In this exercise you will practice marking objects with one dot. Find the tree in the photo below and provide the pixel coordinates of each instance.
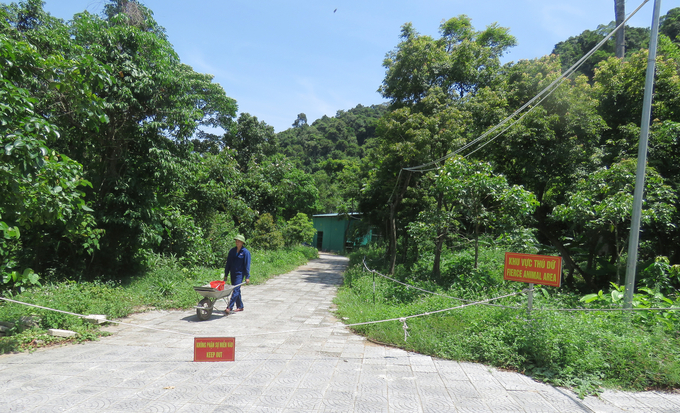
(362, 120)
(251, 139)
(670, 24)
(43, 213)
(277, 187)
(125, 108)
(406, 138)
(460, 62)
(619, 88)
(300, 121)
(482, 199)
(575, 47)
(553, 146)
(266, 234)
(428, 82)
(599, 210)
(45, 221)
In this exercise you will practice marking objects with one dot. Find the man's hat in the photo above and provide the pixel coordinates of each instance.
(241, 238)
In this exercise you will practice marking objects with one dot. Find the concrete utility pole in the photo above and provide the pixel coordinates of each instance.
(620, 12)
(634, 239)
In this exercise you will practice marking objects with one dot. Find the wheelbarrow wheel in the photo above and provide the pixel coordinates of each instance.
(206, 309)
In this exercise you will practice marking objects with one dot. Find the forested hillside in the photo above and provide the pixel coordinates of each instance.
(331, 149)
(111, 155)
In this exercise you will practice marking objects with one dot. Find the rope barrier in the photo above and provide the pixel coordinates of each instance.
(86, 317)
(672, 308)
(431, 292)
(610, 309)
(400, 319)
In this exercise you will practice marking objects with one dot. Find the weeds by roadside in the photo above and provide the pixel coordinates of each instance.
(582, 350)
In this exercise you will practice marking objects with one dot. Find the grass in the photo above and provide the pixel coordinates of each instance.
(582, 350)
(165, 285)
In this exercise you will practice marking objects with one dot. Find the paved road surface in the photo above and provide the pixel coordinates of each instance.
(285, 362)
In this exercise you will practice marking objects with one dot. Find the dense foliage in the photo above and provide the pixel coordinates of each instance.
(574, 153)
(330, 150)
(110, 155)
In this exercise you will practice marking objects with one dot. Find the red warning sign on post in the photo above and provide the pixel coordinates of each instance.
(534, 269)
(214, 348)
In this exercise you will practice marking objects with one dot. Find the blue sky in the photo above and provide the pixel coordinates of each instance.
(279, 59)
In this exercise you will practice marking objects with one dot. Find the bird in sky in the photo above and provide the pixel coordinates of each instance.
(335, 10)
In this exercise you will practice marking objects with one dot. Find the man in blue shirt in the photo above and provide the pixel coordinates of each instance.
(238, 265)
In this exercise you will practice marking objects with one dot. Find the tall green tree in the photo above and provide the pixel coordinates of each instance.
(552, 146)
(408, 138)
(251, 139)
(575, 47)
(298, 230)
(460, 62)
(275, 186)
(482, 199)
(45, 221)
(619, 87)
(670, 24)
(428, 81)
(149, 103)
(599, 209)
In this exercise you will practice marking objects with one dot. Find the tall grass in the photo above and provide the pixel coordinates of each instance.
(582, 350)
(166, 284)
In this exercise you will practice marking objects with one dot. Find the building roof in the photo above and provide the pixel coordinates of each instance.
(337, 214)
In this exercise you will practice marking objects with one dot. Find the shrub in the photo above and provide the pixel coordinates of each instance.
(266, 234)
(299, 230)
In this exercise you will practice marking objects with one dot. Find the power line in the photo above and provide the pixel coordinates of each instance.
(542, 95)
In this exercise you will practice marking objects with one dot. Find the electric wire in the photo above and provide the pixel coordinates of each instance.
(546, 91)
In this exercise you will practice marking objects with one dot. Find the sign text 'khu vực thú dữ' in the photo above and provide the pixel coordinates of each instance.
(534, 269)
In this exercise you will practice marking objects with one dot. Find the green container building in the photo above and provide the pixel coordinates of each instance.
(333, 232)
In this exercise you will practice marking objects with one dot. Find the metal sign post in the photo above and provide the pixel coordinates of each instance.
(634, 239)
(533, 269)
(530, 299)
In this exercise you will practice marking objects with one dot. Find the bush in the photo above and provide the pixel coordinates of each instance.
(299, 230)
(266, 234)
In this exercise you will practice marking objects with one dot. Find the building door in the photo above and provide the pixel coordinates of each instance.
(319, 240)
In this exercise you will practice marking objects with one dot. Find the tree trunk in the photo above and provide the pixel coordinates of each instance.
(407, 241)
(567, 257)
(439, 241)
(476, 244)
(620, 12)
(393, 237)
(398, 196)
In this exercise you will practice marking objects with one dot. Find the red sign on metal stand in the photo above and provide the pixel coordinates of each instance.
(214, 348)
(533, 269)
